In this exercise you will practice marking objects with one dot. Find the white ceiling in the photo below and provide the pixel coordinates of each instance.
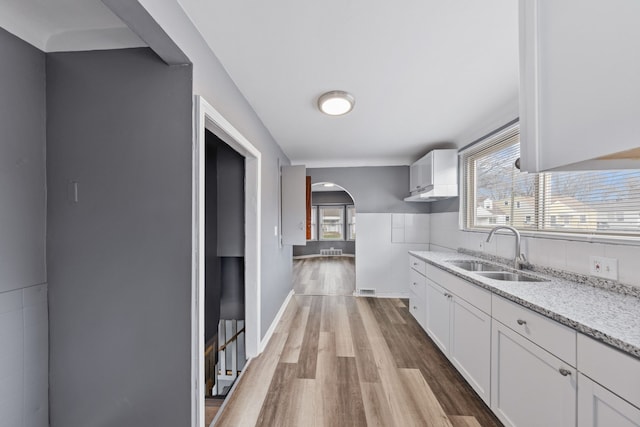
(66, 25)
(422, 71)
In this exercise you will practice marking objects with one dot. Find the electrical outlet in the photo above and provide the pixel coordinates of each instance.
(607, 268)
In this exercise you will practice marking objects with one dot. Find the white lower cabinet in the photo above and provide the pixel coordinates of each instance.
(470, 345)
(530, 386)
(463, 333)
(417, 308)
(535, 372)
(438, 315)
(598, 407)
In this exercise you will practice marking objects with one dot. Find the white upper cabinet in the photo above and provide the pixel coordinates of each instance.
(434, 176)
(579, 84)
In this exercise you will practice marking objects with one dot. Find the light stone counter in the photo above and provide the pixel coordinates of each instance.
(610, 316)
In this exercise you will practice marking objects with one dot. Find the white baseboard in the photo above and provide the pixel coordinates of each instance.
(323, 256)
(391, 295)
(272, 328)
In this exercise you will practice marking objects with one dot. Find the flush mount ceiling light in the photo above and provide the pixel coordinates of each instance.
(329, 184)
(336, 102)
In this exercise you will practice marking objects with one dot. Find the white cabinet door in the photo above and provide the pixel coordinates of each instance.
(294, 208)
(470, 349)
(438, 315)
(529, 386)
(417, 308)
(598, 407)
(579, 81)
(421, 173)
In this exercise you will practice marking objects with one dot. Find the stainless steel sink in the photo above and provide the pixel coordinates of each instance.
(509, 277)
(475, 266)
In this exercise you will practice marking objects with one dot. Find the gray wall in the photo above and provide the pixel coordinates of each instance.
(230, 170)
(446, 205)
(23, 306)
(211, 81)
(22, 164)
(330, 197)
(119, 123)
(374, 189)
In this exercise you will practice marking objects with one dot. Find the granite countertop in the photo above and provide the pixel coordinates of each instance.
(606, 315)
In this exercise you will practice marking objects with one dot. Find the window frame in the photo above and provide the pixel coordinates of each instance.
(539, 216)
(348, 224)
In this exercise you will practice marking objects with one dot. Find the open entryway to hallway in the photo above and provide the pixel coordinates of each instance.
(326, 264)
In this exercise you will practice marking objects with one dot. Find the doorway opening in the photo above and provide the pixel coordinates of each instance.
(326, 264)
(226, 255)
(224, 310)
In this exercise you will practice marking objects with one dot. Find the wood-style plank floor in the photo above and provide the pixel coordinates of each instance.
(324, 276)
(352, 361)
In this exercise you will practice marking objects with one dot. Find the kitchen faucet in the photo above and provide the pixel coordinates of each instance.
(519, 259)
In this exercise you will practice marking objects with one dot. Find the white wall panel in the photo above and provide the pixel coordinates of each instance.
(24, 355)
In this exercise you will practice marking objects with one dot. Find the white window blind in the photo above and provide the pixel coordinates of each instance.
(497, 193)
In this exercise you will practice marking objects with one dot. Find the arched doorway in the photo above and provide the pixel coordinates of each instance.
(326, 264)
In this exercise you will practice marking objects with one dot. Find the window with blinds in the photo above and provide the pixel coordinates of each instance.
(497, 193)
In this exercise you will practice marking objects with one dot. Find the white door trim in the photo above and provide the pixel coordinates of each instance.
(207, 117)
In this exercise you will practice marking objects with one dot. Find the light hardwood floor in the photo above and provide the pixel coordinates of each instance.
(347, 361)
(324, 276)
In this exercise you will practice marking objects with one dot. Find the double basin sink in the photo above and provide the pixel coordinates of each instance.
(495, 272)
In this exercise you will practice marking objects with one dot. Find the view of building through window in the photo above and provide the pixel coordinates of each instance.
(588, 202)
(331, 223)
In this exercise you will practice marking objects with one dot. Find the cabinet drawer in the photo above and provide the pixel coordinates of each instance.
(417, 308)
(612, 368)
(418, 265)
(473, 294)
(548, 334)
(418, 284)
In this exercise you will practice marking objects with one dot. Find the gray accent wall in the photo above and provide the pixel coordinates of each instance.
(375, 189)
(120, 125)
(22, 164)
(446, 205)
(23, 291)
(330, 197)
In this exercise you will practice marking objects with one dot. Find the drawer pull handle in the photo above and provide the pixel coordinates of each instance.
(564, 372)
(415, 308)
(522, 322)
(415, 264)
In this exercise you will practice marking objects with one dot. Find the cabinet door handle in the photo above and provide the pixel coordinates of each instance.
(564, 372)
(415, 308)
(415, 264)
(521, 322)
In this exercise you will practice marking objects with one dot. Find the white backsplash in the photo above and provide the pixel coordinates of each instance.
(566, 255)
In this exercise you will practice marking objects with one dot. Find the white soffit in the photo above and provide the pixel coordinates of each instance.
(422, 72)
(66, 25)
